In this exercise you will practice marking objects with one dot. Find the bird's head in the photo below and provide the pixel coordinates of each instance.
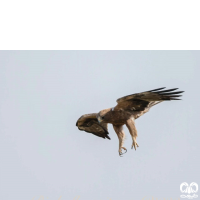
(103, 115)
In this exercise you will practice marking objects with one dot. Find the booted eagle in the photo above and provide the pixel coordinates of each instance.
(127, 110)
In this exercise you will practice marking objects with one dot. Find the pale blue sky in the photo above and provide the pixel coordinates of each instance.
(43, 93)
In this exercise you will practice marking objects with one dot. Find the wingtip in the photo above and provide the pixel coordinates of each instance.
(164, 91)
(175, 99)
(170, 93)
(156, 89)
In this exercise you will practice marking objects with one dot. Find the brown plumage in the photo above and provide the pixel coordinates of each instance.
(125, 112)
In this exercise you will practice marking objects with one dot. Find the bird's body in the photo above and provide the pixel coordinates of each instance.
(120, 117)
(128, 109)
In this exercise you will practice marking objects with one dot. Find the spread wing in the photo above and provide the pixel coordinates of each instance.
(90, 124)
(143, 100)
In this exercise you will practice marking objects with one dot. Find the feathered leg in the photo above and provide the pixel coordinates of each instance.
(121, 136)
(130, 123)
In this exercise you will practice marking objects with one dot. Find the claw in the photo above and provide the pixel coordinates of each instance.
(135, 144)
(120, 152)
(124, 149)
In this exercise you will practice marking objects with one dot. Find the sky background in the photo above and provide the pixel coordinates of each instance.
(42, 152)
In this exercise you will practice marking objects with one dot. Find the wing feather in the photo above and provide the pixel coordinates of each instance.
(140, 101)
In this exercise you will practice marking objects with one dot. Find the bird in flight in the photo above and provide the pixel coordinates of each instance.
(127, 110)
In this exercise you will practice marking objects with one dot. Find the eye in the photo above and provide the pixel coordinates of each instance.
(102, 117)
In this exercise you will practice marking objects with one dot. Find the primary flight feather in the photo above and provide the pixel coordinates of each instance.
(128, 109)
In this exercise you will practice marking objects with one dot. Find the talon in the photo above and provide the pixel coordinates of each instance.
(124, 149)
(134, 144)
(120, 151)
(120, 154)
